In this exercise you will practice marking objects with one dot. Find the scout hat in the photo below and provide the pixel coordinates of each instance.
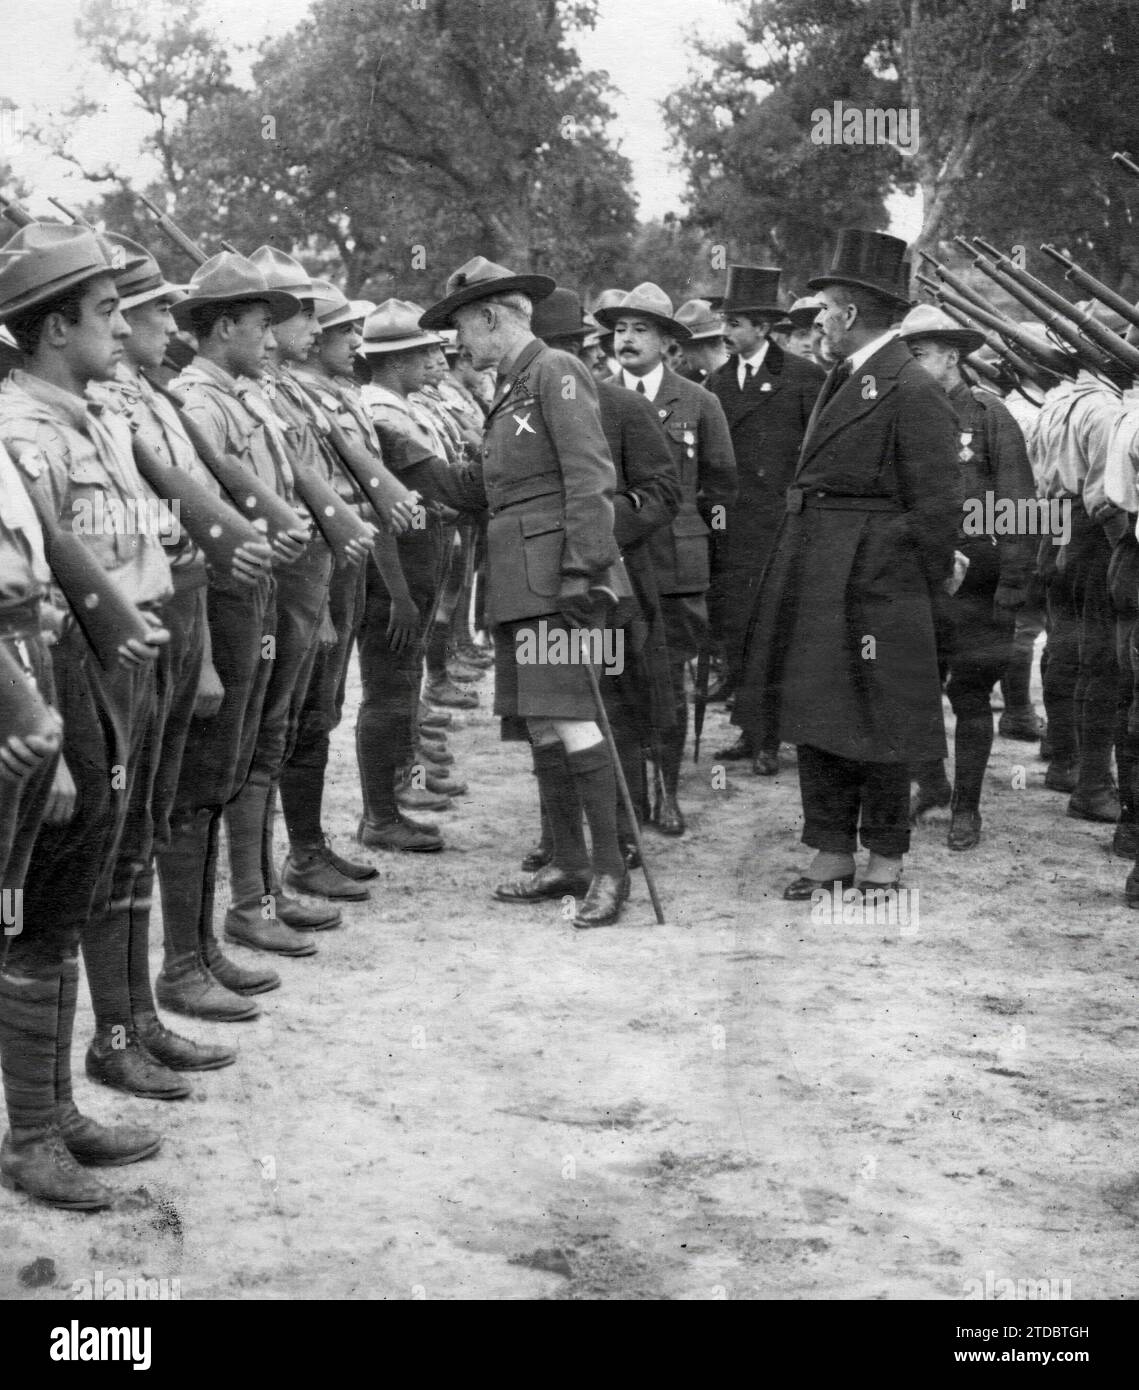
(479, 279)
(871, 261)
(282, 272)
(698, 316)
(227, 277)
(559, 316)
(45, 259)
(751, 289)
(334, 308)
(928, 321)
(141, 280)
(647, 301)
(804, 312)
(393, 326)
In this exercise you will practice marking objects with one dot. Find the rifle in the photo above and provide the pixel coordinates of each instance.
(1124, 163)
(1080, 349)
(1052, 360)
(23, 710)
(1021, 368)
(1096, 288)
(1099, 333)
(71, 214)
(174, 233)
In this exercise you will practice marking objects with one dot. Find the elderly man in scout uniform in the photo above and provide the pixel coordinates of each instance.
(701, 444)
(767, 395)
(58, 297)
(977, 622)
(553, 566)
(842, 658)
(638, 699)
(704, 348)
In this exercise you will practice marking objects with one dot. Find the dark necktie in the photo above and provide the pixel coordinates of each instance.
(839, 376)
(641, 387)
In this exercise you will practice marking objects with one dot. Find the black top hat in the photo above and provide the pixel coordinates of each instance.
(870, 261)
(558, 316)
(751, 289)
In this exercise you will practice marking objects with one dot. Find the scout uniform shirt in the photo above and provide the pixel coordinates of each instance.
(76, 454)
(340, 400)
(24, 575)
(1069, 440)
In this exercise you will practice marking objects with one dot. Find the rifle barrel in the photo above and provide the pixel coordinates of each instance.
(1084, 280)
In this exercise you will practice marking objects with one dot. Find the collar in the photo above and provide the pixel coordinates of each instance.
(203, 367)
(651, 379)
(757, 357)
(76, 410)
(863, 355)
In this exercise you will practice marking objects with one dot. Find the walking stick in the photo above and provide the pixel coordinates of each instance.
(622, 785)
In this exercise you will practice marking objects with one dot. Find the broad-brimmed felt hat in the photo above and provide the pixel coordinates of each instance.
(559, 315)
(701, 320)
(393, 326)
(226, 278)
(479, 279)
(141, 280)
(45, 259)
(928, 321)
(804, 312)
(751, 289)
(334, 308)
(647, 301)
(872, 261)
(283, 272)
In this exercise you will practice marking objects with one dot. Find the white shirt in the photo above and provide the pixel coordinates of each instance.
(856, 359)
(652, 380)
(748, 366)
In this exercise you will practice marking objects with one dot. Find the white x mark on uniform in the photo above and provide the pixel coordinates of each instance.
(523, 423)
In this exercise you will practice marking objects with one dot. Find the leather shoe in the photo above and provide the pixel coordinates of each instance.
(399, 834)
(441, 784)
(431, 718)
(104, 1146)
(470, 655)
(131, 1068)
(465, 675)
(448, 694)
(604, 900)
(929, 799)
(293, 913)
(310, 871)
(436, 755)
(803, 889)
(238, 979)
(964, 829)
(1025, 725)
(411, 798)
(765, 763)
(1102, 805)
(46, 1170)
(550, 881)
(350, 868)
(668, 817)
(268, 934)
(1060, 777)
(1125, 841)
(538, 858)
(177, 1053)
(735, 752)
(198, 993)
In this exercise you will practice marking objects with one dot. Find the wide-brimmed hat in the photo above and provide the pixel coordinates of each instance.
(479, 279)
(647, 301)
(45, 259)
(393, 326)
(701, 320)
(283, 272)
(872, 261)
(226, 278)
(141, 279)
(334, 308)
(928, 321)
(804, 312)
(751, 289)
(559, 316)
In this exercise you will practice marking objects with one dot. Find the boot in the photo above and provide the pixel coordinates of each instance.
(667, 815)
(91, 1143)
(595, 783)
(543, 851)
(309, 870)
(252, 918)
(432, 718)
(33, 1158)
(124, 1064)
(177, 1053)
(289, 910)
(236, 979)
(441, 690)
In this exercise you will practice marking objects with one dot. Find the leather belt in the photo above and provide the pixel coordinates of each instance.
(799, 499)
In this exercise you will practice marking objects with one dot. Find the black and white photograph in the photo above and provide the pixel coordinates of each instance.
(569, 660)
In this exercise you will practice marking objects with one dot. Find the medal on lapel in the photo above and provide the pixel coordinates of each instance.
(965, 454)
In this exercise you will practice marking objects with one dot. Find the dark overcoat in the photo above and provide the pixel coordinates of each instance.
(841, 652)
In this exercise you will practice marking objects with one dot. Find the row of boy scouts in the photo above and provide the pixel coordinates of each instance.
(785, 487)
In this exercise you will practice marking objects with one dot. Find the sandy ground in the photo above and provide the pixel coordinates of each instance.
(457, 1099)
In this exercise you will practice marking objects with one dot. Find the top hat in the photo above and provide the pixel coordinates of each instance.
(45, 259)
(141, 280)
(334, 308)
(283, 272)
(559, 316)
(751, 289)
(479, 279)
(699, 318)
(647, 301)
(228, 277)
(872, 261)
(928, 321)
(394, 326)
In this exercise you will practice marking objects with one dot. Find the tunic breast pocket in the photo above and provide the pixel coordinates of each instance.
(93, 509)
(543, 538)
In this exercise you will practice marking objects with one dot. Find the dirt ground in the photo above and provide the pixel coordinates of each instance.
(458, 1099)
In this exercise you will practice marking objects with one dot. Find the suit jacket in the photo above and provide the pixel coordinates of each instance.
(767, 419)
(701, 446)
(841, 653)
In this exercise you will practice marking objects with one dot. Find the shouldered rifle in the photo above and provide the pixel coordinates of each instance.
(1051, 360)
(1098, 333)
(71, 214)
(174, 233)
(1096, 288)
(23, 710)
(15, 212)
(1021, 368)
(1125, 163)
(335, 518)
